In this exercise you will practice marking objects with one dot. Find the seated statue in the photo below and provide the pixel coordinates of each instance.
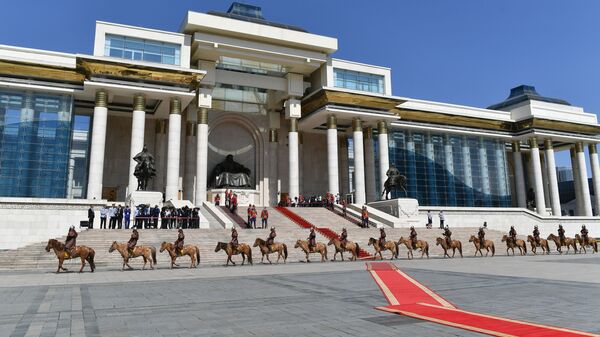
(229, 173)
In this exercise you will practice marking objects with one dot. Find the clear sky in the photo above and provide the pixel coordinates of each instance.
(466, 52)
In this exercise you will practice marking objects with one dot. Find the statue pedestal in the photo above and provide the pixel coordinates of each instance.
(245, 197)
(406, 209)
(145, 197)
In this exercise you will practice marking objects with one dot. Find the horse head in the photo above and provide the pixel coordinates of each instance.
(50, 245)
(331, 242)
(504, 237)
(372, 241)
(258, 242)
(472, 238)
(438, 241)
(298, 243)
(163, 246)
(113, 247)
(218, 247)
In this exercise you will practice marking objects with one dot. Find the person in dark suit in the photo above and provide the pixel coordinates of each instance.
(91, 217)
(120, 217)
(155, 214)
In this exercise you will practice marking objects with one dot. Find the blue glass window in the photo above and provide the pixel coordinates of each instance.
(142, 50)
(355, 80)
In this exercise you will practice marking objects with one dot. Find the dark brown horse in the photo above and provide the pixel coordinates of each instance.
(590, 242)
(228, 248)
(454, 244)
(279, 248)
(423, 245)
(543, 243)
(83, 252)
(488, 245)
(190, 250)
(511, 244)
(569, 242)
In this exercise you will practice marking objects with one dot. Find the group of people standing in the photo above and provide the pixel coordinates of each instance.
(145, 216)
(231, 201)
(252, 214)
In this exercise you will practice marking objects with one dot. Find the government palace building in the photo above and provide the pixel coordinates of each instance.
(301, 121)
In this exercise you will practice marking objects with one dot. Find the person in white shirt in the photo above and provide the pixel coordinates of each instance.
(103, 213)
(442, 219)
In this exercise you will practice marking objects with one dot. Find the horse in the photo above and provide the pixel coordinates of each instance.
(147, 252)
(392, 246)
(543, 243)
(228, 248)
(388, 185)
(590, 242)
(83, 252)
(423, 245)
(454, 244)
(568, 242)
(192, 251)
(280, 248)
(349, 247)
(488, 245)
(318, 248)
(511, 245)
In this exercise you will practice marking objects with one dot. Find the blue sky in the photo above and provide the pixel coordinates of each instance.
(466, 52)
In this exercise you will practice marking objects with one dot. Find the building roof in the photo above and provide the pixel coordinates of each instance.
(524, 93)
(251, 13)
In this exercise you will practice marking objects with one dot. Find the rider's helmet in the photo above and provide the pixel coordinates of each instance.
(447, 227)
(272, 229)
(535, 227)
(582, 226)
(412, 227)
(560, 226)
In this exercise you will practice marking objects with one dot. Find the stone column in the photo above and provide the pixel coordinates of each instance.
(595, 175)
(536, 166)
(189, 174)
(138, 124)
(519, 175)
(293, 160)
(360, 196)
(369, 164)
(576, 182)
(173, 150)
(583, 180)
(201, 157)
(332, 155)
(384, 156)
(94, 190)
(344, 167)
(545, 178)
(273, 166)
(552, 180)
(160, 144)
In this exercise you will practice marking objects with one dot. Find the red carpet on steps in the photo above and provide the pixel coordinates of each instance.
(409, 298)
(328, 233)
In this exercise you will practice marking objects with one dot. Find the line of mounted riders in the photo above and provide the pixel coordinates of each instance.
(69, 250)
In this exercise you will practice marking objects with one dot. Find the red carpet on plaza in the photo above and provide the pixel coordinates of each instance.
(409, 298)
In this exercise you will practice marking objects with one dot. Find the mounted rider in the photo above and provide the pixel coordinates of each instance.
(271, 238)
(448, 235)
(234, 238)
(584, 234)
(513, 234)
(178, 244)
(312, 239)
(70, 242)
(382, 236)
(561, 235)
(481, 236)
(413, 237)
(343, 238)
(536, 235)
(132, 241)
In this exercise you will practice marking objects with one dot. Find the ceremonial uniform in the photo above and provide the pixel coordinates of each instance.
(513, 233)
(481, 236)
(365, 217)
(271, 238)
(133, 241)
(312, 238)
(536, 235)
(448, 235)
(584, 234)
(382, 238)
(264, 215)
(561, 234)
(234, 238)
(179, 242)
(413, 237)
(343, 238)
(71, 241)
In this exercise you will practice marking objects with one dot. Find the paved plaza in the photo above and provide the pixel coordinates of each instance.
(297, 299)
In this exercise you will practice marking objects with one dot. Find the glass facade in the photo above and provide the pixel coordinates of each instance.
(131, 48)
(355, 80)
(451, 170)
(251, 67)
(236, 98)
(35, 141)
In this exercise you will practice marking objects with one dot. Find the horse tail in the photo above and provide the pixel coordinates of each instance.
(285, 252)
(249, 255)
(493, 249)
(356, 249)
(525, 247)
(197, 255)
(153, 251)
(325, 250)
(90, 259)
(397, 248)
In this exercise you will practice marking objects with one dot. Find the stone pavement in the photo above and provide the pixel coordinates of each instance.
(297, 299)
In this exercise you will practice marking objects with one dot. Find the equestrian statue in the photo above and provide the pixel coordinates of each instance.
(395, 180)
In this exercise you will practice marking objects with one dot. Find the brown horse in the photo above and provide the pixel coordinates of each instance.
(192, 251)
(349, 247)
(590, 242)
(228, 248)
(510, 244)
(392, 246)
(318, 248)
(279, 248)
(488, 245)
(454, 244)
(423, 245)
(83, 252)
(147, 252)
(543, 243)
(568, 242)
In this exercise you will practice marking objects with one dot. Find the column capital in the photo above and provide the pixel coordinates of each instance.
(191, 129)
(516, 146)
(175, 107)
(356, 124)
(293, 124)
(592, 148)
(572, 151)
(273, 135)
(548, 144)
(202, 116)
(368, 132)
(579, 147)
(139, 102)
(101, 98)
(533, 143)
(382, 127)
(331, 122)
(161, 126)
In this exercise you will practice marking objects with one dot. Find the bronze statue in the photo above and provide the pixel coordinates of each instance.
(229, 173)
(395, 180)
(144, 169)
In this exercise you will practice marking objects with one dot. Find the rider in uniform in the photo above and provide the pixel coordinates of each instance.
(513, 234)
(312, 239)
(343, 238)
(481, 236)
(178, 244)
(536, 235)
(584, 234)
(133, 241)
(561, 235)
(71, 241)
(234, 238)
(271, 238)
(381, 238)
(413, 237)
(448, 235)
